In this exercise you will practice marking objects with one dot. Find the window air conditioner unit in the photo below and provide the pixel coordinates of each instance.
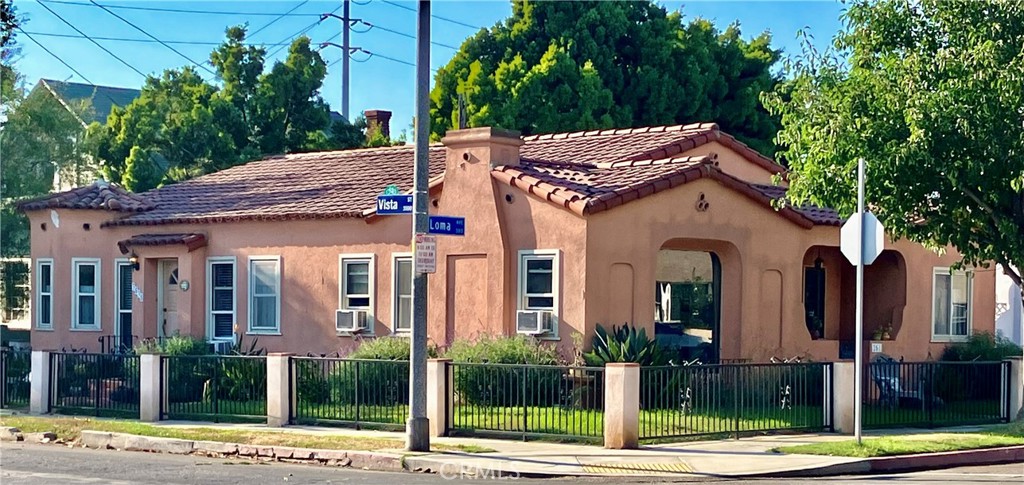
(350, 320)
(534, 322)
(222, 347)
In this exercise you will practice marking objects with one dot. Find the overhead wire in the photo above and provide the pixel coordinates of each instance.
(438, 17)
(144, 41)
(183, 10)
(69, 24)
(55, 56)
(250, 35)
(286, 42)
(151, 36)
(403, 34)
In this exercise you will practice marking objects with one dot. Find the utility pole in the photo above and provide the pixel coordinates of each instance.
(344, 59)
(858, 373)
(417, 427)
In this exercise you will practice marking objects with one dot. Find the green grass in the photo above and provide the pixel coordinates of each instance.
(70, 429)
(1005, 435)
(948, 414)
(226, 411)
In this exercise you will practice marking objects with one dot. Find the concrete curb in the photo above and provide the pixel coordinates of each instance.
(910, 463)
(365, 460)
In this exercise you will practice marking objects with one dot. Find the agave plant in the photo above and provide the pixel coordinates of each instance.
(624, 344)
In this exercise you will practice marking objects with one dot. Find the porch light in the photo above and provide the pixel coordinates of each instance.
(818, 262)
(134, 261)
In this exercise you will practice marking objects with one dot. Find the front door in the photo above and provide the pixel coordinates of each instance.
(167, 297)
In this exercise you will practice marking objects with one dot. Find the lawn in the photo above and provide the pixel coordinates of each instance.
(70, 429)
(224, 411)
(948, 414)
(1004, 435)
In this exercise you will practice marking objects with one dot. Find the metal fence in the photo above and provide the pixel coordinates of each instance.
(15, 367)
(348, 392)
(527, 401)
(95, 384)
(930, 394)
(734, 399)
(214, 387)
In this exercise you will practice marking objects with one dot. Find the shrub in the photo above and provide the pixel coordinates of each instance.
(172, 346)
(386, 348)
(982, 346)
(377, 373)
(311, 384)
(505, 385)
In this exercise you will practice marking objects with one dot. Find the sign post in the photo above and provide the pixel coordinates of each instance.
(861, 240)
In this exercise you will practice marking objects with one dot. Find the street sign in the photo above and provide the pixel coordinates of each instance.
(850, 234)
(394, 204)
(425, 248)
(447, 225)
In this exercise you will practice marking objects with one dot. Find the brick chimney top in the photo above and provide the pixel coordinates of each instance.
(379, 118)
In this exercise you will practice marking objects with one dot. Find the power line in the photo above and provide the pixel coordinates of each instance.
(144, 41)
(268, 24)
(182, 10)
(288, 40)
(55, 56)
(403, 34)
(151, 36)
(69, 24)
(438, 17)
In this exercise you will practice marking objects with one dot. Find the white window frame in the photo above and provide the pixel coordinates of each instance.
(370, 258)
(97, 265)
(943, 271)
(276, 330)
(210, 327)
(395, 297)
(555, 255)
(118, 263)
(40, 293)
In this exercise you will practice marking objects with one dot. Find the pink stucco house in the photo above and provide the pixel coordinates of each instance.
(668, 228)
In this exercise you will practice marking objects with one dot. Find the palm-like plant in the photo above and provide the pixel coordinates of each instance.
(624, 344)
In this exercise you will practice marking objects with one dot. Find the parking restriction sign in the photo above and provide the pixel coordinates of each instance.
(425, 248)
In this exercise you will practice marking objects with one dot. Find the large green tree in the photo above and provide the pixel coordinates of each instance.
(930, 93)
(182, 126)
(558, 66)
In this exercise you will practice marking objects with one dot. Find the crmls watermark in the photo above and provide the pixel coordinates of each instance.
(462, 471)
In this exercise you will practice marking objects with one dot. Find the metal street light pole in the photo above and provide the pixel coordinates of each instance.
(859, 332)
(417, 428)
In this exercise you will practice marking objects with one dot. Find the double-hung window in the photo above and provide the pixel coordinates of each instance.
(85, 304)
(951, 304)
(44, 294)
(402, 293)
(356, 286)
(264, 294)
(123, 300)
(538, 285)
(220, 298)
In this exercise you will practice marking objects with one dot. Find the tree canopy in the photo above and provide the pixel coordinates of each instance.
(929, 93)
(182, 126)
(560, 66)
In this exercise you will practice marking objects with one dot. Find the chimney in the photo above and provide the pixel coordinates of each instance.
(379, 118)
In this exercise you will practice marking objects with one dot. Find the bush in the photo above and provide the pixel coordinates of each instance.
(311, 385)
(504, 385)
(172, 346)
(982, 346)
(386, 348)
(377, 374)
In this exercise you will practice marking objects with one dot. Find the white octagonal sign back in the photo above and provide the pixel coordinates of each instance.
(874, 235)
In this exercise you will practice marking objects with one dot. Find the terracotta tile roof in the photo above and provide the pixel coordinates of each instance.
(192, 241)
(318, 185)
(821, 216)
(99, 195)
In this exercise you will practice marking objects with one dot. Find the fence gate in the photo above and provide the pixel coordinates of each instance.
(15, 367)
(95, 384)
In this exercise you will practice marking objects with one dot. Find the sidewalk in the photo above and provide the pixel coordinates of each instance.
(727, 458)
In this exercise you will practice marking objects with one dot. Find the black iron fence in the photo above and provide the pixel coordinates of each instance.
(930, 394)
(527, 400)
(15, 367)
(95, 384)
(734, 399)
(359, 393)
(216, 387)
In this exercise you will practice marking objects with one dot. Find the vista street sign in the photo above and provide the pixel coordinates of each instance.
(873, 237)
(394, 204)
(447, 225)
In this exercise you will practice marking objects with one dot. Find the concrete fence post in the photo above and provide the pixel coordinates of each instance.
(844, 377)
(621, 406)
(1016, 411)
(439, 396)
(39, 377)
(150, 387)
(279, 396)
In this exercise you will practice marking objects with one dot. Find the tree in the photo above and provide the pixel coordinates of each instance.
(141, 170)
(929, 94)
(558, 66)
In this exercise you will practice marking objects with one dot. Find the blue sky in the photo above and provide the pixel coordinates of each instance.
(384, 80)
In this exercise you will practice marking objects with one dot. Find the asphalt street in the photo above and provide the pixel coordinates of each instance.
(46, 464)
